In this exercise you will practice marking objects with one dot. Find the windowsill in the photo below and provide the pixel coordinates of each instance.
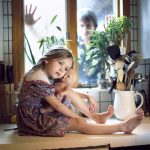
(91, 88)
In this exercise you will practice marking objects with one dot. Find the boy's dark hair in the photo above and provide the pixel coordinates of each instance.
(88, 15)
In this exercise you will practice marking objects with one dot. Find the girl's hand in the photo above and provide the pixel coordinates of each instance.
(93, 106)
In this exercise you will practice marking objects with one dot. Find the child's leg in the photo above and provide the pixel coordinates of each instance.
(98, 117)
(126, 126)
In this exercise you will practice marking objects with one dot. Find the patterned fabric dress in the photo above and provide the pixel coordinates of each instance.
(30, 120)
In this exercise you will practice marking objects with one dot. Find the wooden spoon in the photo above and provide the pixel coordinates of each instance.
(120, 73)
(120, 86)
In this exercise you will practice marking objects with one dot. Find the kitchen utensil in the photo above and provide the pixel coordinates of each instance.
(127, 69)
(126, 59)
(120, 73)
(130, 77)
(119, 67)
(120, 86)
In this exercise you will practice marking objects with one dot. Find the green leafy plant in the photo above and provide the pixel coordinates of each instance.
(97, 55)
(48, 41)
(118, 28)
(28, 51)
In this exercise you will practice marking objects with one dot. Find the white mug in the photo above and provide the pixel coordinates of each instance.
(124, 104)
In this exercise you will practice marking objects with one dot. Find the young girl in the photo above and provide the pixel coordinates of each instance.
(37, 91)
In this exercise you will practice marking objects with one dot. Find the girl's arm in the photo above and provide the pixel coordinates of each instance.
(60, 107)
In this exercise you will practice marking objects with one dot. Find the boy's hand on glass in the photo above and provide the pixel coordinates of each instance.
(29, 16)
(107, 20)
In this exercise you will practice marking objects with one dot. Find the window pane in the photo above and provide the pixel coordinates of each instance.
(101, 8)
(46, 10)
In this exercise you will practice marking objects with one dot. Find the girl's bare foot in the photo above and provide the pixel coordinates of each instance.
(102, 117)
(130, 124)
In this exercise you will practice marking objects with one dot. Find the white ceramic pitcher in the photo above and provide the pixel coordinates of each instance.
(124, 104)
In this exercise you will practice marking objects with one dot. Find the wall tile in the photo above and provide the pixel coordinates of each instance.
(5, 34)
(133, 10)
(5, 46)
(5, 8)
(103, 106)
(105, 96)
(9, 8)
(10, 34)
(1, 34)
(140, 69)
(1, 56)
(1, 8)
(10, 21)
(5, 19)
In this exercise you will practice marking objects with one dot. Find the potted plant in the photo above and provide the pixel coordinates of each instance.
(97, 55)
(117, 29)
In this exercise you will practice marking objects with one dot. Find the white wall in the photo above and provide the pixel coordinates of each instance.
(144, 27)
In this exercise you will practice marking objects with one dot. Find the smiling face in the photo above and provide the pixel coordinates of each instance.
(58, 68)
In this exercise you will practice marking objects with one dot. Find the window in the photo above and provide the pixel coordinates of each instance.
(46, 10)
(18, 32)
(100, 8)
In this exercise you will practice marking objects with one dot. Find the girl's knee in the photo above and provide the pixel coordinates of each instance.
(80, 122)
(77, 124)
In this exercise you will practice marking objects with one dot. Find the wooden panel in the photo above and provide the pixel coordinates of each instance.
(18, 40)
(72, 29)
(126, 12)
(7, 102)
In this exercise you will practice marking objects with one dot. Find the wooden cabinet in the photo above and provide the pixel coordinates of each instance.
(7, 102)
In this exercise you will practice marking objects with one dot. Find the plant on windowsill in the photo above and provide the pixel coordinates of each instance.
(28, 51)
(44, 43)
(97, 55)
(117, 29)
(51, 40)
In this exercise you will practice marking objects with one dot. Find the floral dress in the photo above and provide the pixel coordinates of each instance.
(30, 120)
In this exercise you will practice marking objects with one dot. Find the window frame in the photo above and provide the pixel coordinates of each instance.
(18, 33)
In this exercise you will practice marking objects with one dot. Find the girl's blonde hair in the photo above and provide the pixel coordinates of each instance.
(54, 53)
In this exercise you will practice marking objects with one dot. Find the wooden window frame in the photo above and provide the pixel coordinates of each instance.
(18, 33)
(18, 40)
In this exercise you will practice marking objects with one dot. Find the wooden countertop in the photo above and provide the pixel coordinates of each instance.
(11, 140)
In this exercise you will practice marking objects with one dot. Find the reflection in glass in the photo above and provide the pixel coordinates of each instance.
(90, 16)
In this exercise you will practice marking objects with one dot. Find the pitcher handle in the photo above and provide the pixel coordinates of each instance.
(142, 99)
